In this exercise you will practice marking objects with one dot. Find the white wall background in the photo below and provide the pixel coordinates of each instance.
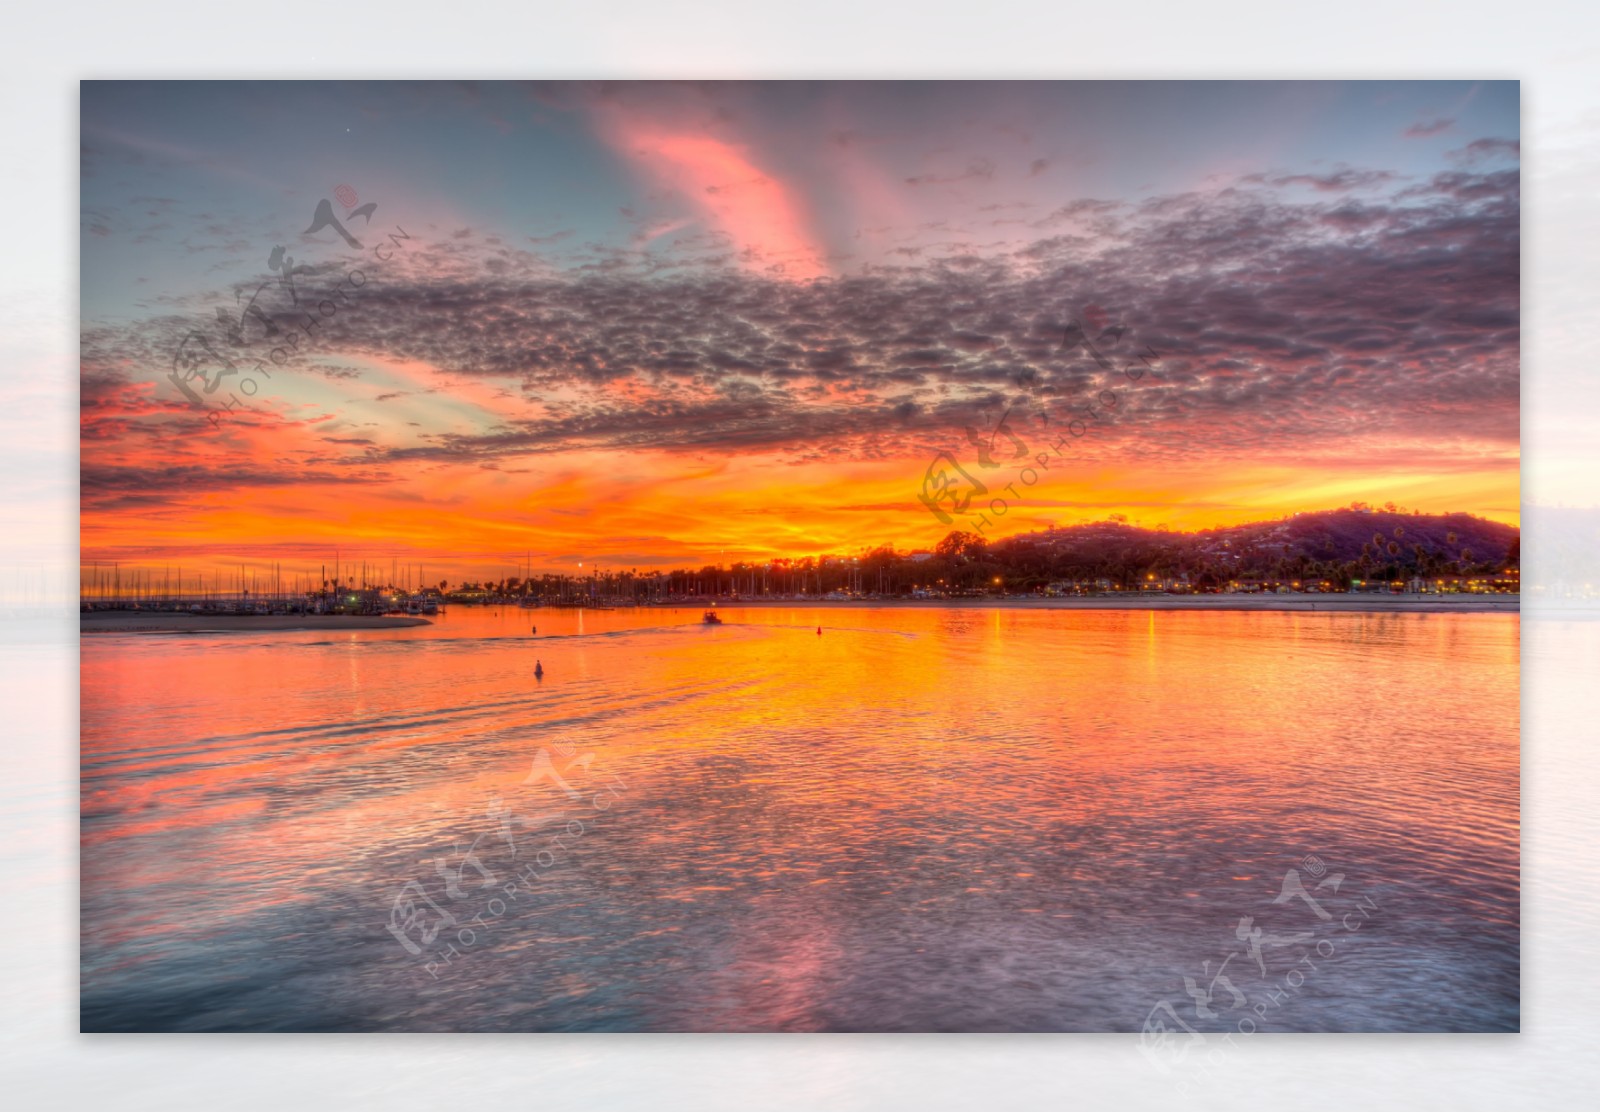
(1553, 48)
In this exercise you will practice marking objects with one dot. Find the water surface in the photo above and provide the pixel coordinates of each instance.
(922, 819)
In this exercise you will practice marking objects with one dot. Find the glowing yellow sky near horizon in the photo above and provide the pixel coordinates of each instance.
(348, 490)
(654, 509)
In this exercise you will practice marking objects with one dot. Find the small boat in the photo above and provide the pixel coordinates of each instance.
(710, 619)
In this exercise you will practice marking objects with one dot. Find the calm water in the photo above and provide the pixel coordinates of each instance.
(923, 819)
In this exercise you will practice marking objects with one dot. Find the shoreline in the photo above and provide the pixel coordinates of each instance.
(159, 622)
(1320, 604)
(135, 622)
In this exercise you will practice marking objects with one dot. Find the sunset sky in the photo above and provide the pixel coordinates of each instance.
(657, 325)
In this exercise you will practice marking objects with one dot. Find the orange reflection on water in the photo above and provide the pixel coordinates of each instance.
(881, 827)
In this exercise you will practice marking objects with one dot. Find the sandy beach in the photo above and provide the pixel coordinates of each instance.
(140, 622)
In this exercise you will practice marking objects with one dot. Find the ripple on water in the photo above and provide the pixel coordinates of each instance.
(924, 820)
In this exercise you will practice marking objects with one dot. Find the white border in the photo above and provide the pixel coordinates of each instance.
(44, 1063)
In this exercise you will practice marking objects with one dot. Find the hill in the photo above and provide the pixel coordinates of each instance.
(1350, 543)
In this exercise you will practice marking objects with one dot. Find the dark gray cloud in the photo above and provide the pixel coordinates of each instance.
(1484, 150)
(1284, 329)
(1335, 181)
(1431, 128)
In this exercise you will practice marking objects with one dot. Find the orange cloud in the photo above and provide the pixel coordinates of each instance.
(653, 509)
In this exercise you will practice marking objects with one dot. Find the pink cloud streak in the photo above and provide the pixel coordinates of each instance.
(765, 218)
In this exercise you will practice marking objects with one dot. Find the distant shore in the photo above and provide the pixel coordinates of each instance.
(147, 622)
(156, 622)
(1129, 601)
